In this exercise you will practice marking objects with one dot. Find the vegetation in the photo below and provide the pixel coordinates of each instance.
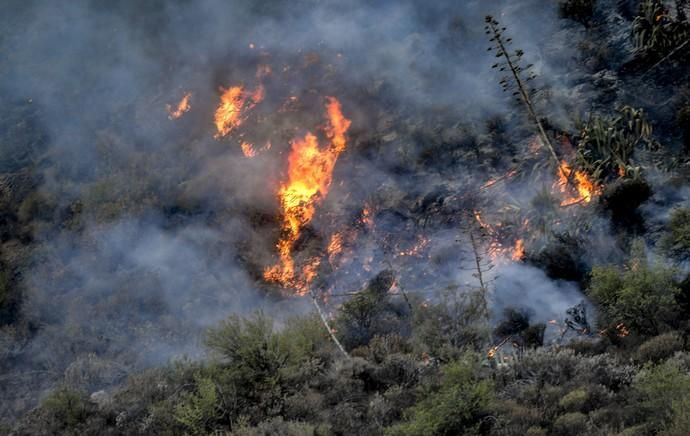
(89, 312)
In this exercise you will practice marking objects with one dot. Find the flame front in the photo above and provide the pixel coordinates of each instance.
(310, 172)
(182, 107)
(585, 187)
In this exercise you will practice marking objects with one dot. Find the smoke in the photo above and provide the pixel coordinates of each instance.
(163, 230)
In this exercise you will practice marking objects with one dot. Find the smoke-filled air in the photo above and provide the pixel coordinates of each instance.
(354, 217)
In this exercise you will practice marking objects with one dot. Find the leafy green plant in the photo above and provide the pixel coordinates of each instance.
(640, 295)
(455, 408)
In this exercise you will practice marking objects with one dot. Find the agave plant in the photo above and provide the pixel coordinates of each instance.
(607, 144)
(655, 31)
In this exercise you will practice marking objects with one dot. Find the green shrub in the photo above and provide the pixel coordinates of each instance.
(675, 242)
(659, 348)
(657, 389)
(642, 296)
(68, 408)
(455, 408)
(196, 411)
(574, 423)
(575, 400)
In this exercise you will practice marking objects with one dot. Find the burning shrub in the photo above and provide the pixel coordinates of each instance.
(655, 31)
(581, 11)
(676, 241)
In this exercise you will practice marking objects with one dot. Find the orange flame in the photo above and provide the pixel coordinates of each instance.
(335, 246)
(182, 107)
(621, 330)
(518, 251)
(585, 187)
(310, 171)
(248, 149)
(233, 102)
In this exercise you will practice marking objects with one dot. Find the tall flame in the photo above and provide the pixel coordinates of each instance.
(310, 172)
(585, 187)
(182, 107)
(233, 102)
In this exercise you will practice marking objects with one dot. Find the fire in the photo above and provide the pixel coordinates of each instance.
(621, 330)
(335, 246)
(233, 101)
(310, 171)
(182, 107)
(519, 250)
(417, 249)
(367, 217)
(248, 149)
(585, 187)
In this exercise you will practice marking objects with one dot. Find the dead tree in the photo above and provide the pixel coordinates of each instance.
(513, 64)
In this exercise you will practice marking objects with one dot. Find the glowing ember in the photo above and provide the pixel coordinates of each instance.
(182, 107)
(621, 330)
(518, 251)
(310, 171)
(417, 249)
(585, 187)
(248, 149)
(233, 101)
(367, 217)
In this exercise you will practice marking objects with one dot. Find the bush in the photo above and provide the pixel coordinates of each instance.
(575, 400)
(574, 423)
(657, 389)
(659, 348)
(456, 407)
(675, 242)
(641, 296)
(67, 408)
